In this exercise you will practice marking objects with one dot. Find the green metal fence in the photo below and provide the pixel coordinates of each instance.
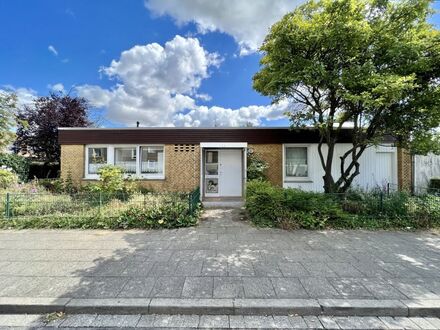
(17, 205)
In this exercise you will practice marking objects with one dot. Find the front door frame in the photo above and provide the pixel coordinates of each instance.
(218, 146)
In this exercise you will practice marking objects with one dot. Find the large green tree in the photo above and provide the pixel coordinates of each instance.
(372, 64)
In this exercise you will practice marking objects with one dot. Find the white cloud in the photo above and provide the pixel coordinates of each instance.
(203, 116)
(248, 21)
(59, 87)
(53, 50)
(25, 96)
(157, 85)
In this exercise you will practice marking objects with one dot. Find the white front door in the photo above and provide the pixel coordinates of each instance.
(223, 173)
(230, 178)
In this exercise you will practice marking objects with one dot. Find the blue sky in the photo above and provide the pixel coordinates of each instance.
(64, 44)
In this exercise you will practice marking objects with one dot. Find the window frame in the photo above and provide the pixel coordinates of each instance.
(94, 176)
(111, 160)
(287, 178)
(157, 176)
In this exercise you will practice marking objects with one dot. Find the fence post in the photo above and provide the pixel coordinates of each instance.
(7, 208)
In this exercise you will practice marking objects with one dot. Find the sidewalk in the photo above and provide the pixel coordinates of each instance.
(224, 266)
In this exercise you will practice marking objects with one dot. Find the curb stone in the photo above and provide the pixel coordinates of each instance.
(303, 307)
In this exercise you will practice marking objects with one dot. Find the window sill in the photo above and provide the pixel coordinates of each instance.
(135, 179)
(298, 180)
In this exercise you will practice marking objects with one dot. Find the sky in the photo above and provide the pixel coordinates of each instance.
(159, 62)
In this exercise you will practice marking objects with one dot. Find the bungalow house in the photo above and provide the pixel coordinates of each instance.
(180, 159)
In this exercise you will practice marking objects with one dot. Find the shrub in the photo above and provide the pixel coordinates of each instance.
(19, 164)
(112, 182)
(7, 178)
(256, 167)
(268, 205)
(169, 215)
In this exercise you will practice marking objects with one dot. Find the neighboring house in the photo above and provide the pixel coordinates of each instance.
(170, 159)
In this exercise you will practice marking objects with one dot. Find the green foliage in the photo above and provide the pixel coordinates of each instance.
(268, 205)
(271, 205)
(19, 164)
(7, 178)
(371, 64)
(88, 211)
(256, 167)
(171, 215)
(111, 181)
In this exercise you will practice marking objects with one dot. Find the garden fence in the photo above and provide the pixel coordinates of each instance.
(16, 205)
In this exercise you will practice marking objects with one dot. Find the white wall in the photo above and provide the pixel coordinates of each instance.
(378, 166)
(425, 168)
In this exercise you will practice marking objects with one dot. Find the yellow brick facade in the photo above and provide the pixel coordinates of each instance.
(182, 167)
(273, 155)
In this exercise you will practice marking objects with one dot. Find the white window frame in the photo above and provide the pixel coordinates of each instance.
(111, 160)
(86, 165)
(158, 176)
(309, 167)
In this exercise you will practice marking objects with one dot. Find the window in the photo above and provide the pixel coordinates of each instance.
(97, 157)
(126, 159)
(145, 162)
(152, 160)
(296, 162)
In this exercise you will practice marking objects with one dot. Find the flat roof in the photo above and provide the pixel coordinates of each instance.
(194, 135)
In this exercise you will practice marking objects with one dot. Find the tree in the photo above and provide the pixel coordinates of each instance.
(7, 118)
(373, 64)
(40, 136)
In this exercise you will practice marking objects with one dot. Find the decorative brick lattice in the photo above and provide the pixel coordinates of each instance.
(72, 162)
(404, 169)
(272, 154)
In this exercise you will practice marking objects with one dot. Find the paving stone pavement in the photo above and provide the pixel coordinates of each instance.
(94, 321)
(223, 257)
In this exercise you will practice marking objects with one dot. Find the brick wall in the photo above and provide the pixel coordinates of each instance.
(404, 169)
(182, 167)
(272, 154)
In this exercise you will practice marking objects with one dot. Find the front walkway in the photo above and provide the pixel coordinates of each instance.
(224, 257)
(223, 266)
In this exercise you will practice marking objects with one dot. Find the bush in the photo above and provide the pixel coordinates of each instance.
(112, 181)
(256, 167)
(7, 178)
(268, 205)
(172, 215)
(19, 164)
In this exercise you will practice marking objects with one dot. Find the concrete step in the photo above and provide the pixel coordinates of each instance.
(223, 204)
(302, 307)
